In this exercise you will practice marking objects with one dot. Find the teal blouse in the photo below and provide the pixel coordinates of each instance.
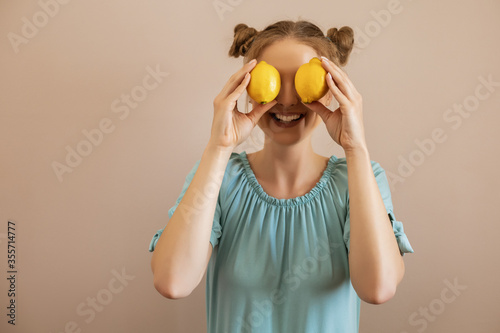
(281, 265)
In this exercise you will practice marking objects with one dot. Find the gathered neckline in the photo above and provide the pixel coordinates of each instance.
(290, 201)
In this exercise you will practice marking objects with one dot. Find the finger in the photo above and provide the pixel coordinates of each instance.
(340, 77)
(259, 111)
(339, 96)
(320, 109)
(233, 97)
(237, 77)
(331, 65)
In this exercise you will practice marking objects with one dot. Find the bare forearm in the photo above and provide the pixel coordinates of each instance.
(180, 256)
(375, 263)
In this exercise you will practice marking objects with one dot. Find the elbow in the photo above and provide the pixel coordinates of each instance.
(382, 288)
(171, 290)
(376, 290)
(166, 286)
(379, 295)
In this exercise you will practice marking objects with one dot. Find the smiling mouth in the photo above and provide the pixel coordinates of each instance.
(286, 119)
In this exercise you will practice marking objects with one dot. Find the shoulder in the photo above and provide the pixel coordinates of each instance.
(235, 169)
(235, 165)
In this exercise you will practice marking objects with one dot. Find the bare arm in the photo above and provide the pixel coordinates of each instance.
(183, 250)
(181, 254)
(375, 263)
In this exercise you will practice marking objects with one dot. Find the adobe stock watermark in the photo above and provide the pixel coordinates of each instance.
(121, 107)
(92, 305)
(223, 6)
(373, 28)
(31, 27)
(454, 116)
(210, 190)
(427, 314)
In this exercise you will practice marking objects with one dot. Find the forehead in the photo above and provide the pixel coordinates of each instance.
(287, 55)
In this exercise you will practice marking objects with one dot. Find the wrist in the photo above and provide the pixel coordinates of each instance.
(357, 152)
(218, 149)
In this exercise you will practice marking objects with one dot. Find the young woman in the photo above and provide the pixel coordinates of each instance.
(292, 240)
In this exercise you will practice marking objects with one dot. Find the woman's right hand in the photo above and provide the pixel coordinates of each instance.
(231, 127)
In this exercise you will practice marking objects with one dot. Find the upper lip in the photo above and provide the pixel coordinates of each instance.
(289, 113)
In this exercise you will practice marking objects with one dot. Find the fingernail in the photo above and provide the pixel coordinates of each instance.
(324, 58)
(252, 61)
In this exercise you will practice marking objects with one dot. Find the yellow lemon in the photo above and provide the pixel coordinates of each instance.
(310, 81)
(265, 83)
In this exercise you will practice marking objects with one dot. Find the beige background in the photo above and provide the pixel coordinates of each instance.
(75, 232)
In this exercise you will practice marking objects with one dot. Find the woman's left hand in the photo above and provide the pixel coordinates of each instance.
(345, 124)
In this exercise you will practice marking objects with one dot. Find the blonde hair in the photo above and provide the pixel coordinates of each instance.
(336, 45)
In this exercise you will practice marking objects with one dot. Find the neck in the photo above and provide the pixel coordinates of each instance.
(288, 167)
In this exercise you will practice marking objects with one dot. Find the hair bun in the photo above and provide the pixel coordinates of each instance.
(343, 38)
(243, 38)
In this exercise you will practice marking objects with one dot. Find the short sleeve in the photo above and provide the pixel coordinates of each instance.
(216, 227)
(397, 226)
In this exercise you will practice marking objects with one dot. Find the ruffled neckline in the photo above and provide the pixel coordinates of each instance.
(291, 201)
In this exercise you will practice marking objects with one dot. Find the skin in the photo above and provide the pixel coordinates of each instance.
(287, 167)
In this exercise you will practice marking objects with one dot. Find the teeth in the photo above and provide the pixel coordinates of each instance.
(287, 118)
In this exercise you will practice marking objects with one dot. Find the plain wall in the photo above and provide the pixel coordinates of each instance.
(416, 64)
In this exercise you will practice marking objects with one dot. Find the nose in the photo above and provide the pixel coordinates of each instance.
(287, 96)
